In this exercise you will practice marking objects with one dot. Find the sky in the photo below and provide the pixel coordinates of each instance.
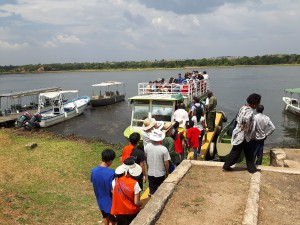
(78, 31)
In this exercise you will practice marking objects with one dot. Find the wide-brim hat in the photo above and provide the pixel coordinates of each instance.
(157, 135)
(168, 126)
(148, 123)
(133, 169)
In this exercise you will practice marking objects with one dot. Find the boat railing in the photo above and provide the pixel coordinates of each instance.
(188, 90)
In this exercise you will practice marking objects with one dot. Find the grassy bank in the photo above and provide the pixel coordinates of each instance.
(51, 183)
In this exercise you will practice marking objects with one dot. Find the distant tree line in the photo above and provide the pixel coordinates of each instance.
(210, 62)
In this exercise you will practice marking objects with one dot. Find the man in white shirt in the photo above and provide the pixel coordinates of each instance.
(157, 159)
(262, 128)
(181, 114)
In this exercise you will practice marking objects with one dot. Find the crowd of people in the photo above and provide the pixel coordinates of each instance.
(198, 80)
(165, 145)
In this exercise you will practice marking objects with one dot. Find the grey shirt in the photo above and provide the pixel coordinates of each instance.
(156, 155)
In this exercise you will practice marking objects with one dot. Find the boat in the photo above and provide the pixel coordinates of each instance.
(223, 143)
(292, 104)
(60, 108)
(158, 106)
(107, 93)
(188, 89)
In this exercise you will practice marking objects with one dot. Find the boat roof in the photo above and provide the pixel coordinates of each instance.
(162, 97)
(54, 94)
(107, 83)
(29, 92)
(293, 90)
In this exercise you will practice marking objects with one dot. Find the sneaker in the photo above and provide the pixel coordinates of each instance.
(227, 170)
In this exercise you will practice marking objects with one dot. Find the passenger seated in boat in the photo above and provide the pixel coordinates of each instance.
(148, 88)
(117, 93)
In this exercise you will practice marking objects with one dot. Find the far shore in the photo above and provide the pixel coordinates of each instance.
(147, 69)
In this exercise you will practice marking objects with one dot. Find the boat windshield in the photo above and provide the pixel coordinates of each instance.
(162, 111)
(139, 114)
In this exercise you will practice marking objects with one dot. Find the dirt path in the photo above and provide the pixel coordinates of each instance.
(279, 199)
(206, 195)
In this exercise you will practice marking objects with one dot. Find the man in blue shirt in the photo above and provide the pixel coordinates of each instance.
(102, 178)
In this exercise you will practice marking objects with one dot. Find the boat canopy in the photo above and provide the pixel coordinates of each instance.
(107, 83)
(56, 93)
(164, 97)
(293, 90)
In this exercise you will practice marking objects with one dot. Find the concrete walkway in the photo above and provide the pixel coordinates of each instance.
(154, 207)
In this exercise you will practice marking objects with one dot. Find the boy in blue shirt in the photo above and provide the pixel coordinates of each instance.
(102, 178)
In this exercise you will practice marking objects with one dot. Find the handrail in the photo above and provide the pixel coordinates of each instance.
(189, 90)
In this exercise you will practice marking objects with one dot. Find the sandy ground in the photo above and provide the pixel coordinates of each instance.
(206, 195)
(279, 199)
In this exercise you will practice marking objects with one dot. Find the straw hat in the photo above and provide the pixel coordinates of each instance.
(168, 126)
(129, 166)
(157, 135)
(148, 123)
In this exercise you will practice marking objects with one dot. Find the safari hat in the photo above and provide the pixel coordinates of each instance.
(129, 167)
(148, 123)
(168, 126)
(157, 135)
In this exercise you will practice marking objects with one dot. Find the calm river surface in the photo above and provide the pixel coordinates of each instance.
(230, 85)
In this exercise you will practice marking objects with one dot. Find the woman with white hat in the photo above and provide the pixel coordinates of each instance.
(126, 192)
(158, 158)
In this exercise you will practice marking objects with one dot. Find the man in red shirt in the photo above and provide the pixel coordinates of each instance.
(193, 134)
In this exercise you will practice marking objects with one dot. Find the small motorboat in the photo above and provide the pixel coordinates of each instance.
(60, 109)
(292, 104)
(107, 93)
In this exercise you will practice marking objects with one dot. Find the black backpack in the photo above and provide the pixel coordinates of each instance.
(198, 112)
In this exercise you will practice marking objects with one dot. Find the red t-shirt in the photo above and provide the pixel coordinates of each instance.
(193, 134)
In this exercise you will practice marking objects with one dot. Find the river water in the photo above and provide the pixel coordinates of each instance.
(231, 86)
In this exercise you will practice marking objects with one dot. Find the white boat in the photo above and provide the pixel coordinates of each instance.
(292, 103)
(107, 93)
(60, 108)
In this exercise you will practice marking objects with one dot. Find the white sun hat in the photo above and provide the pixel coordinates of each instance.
(148, 123)
(157, 135)
(129, 167)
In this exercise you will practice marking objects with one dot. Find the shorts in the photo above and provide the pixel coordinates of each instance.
(109, 216)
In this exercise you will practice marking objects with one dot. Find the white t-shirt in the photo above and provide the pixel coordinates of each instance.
(156, 155)
(181, 114)
(137, 188)
(200, 123)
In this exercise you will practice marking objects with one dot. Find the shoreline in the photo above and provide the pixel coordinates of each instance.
(145, 69)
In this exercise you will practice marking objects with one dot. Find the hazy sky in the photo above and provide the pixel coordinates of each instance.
(60, 31)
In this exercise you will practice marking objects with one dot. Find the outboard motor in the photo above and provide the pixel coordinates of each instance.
(21, 120)
(33, 122)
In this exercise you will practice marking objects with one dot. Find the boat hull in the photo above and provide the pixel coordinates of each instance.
(71, 110)
(106, 101)
(291, 104)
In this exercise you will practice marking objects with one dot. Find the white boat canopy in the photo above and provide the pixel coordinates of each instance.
(107, 83)
(56, 93)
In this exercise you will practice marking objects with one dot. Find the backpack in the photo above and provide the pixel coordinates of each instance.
(198, 112)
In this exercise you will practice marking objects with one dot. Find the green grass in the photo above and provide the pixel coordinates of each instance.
(51, 183)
